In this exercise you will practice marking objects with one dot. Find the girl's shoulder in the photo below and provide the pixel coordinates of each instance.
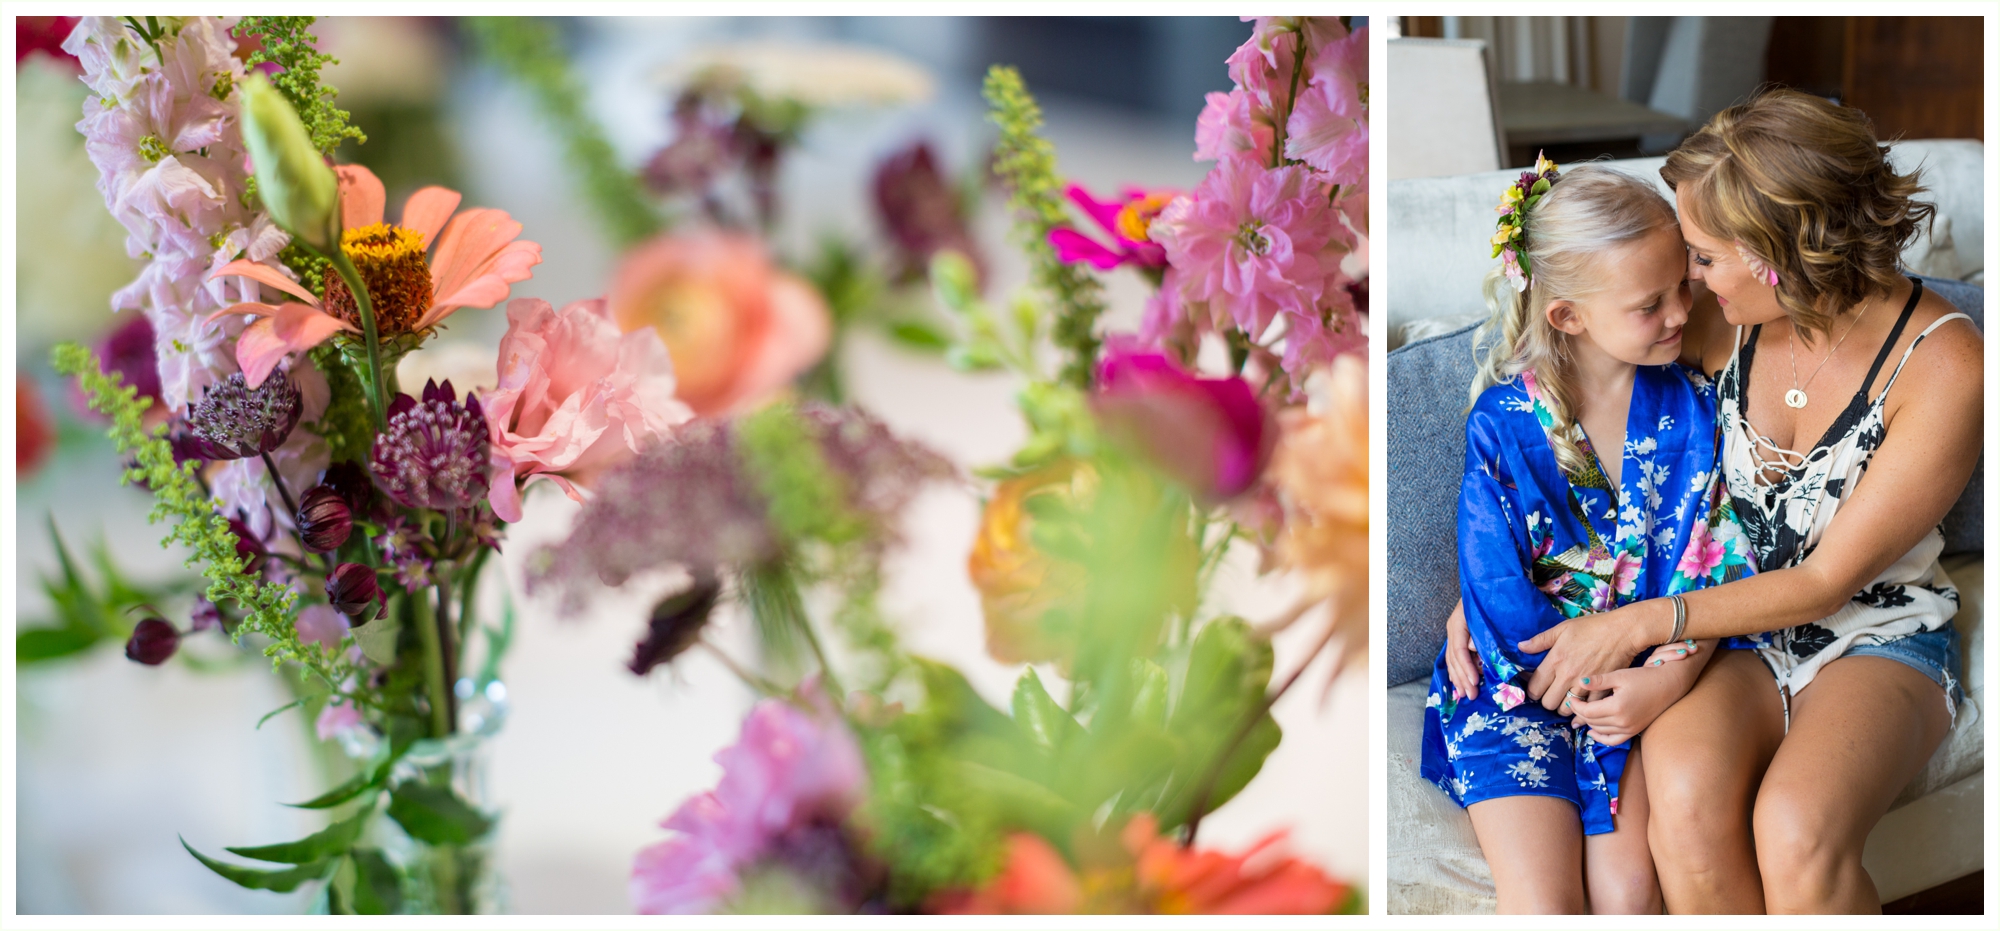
(1503, 416)
(1505, 400)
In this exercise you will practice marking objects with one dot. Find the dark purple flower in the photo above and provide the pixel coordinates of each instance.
(921, 211)
(324, 520)
(434, 452)
(353, 483)
(352, 591)
(250, 549)
(205, 616)
(1208, 434)
(406, 547)
(128, 351)
(235, 421)
(153, 642)
(676, 624)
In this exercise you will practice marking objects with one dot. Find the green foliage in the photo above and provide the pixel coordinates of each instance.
(267, 607)
(86, 613)
(436, 815)
(1027, 163)
(348, 426)
(310, 266)
(325, 844)
(529, 49)
(272, 880)
(807, 498)
(288, 41)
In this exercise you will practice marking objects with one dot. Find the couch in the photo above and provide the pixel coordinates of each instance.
(1438, 228)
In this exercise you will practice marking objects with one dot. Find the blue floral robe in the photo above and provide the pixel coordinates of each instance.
(1537, 545)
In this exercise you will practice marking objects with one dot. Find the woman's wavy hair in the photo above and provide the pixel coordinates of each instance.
(1587, 212)
(1806, 187)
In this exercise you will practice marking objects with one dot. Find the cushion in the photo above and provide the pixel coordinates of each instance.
(1427, 385)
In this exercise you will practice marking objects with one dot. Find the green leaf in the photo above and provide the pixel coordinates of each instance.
(46, 643)
(1038, 714)
(331, 842)
(378, 887)
(436, 816)
(377, 638)
(1149, 700)
(915, 334)
(1541, 187)
(271, 880)
(366, 780)
(281, 709)
(964, 357)
(1012, 799)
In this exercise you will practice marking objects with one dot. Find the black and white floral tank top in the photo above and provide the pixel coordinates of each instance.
(1786, 499)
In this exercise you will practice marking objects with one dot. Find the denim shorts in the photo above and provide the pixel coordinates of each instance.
(1933, 653)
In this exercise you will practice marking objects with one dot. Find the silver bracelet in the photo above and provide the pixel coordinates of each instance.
(1680, 617)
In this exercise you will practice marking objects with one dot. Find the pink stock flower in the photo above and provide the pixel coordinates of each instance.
(1209, 434)
(322, 624)
(1231, 126)
(1254, 242)
(335, 720)
(418, 271)
(790, 766)
(1127, 219)
(1328, 127)
(738, 328)
(575, 396)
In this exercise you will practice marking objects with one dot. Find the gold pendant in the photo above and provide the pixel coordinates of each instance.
(1795, 398)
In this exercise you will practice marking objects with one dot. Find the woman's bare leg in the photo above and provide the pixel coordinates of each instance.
(1534, 844)
(1860, 732)
(1705, 756)
(1618, 867)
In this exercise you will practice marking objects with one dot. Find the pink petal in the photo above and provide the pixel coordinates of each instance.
(265, 274)
(503, 493)
(1104, 212)
(249, 307)
(362, 198)
(292, 328)
(1072, 247)
(427, 210)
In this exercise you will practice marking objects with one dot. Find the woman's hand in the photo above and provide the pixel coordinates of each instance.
(1636, 697)
(1582, 649)
(1461, 660)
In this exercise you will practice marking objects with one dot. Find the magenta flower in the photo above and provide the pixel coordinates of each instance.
(153, 642)
(791, 768)
(1328, 126)
(1703, 553)
(1127, 220)
(1208, 434)
(575, 397)
(1254, 243)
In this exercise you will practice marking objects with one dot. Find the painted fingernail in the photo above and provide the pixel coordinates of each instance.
(1690, 643)
(1586, 680)
(1682, 652)
(1659, 662)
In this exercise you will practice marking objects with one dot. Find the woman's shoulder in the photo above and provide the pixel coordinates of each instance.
(1951, 355)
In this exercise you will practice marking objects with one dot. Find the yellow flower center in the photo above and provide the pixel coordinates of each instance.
(392, 263)
(1136, 218)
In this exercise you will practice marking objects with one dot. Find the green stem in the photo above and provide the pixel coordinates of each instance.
(434, 685)
(1278, 129)
(468, 584)
(365, 307)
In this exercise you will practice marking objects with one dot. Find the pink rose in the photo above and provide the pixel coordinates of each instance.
(575, 396)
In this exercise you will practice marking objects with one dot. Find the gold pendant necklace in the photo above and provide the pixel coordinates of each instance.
(1796, 398)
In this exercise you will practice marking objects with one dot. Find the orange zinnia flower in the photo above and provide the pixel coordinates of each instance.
(477, 255)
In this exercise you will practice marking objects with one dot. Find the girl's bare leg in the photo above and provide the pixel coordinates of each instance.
(1705, 756)
(1618, 867)
(1860, 732)
(1534, 844)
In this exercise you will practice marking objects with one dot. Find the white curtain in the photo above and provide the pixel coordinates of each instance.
(1532, 49)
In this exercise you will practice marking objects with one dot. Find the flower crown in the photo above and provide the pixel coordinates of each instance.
(1510, 238)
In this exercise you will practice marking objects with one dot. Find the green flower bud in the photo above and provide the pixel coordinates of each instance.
(293, 179)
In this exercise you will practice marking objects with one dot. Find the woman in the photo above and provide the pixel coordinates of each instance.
(1767, 777)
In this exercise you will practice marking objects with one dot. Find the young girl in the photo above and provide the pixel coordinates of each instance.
(1588, 306)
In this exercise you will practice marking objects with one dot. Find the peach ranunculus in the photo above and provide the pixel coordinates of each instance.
(575, 396)
(418, 272)
(1152, 875)
(738, 328)
(1321, 473)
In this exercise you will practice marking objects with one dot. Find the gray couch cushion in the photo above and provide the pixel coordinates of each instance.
(1427, 399)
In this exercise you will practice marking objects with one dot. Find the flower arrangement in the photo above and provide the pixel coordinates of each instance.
(342, 520)
(1510, 235)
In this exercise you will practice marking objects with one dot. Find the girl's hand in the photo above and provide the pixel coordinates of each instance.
(1635, 698)
(1461, 660)
(1582, 649)
(1672, 653)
